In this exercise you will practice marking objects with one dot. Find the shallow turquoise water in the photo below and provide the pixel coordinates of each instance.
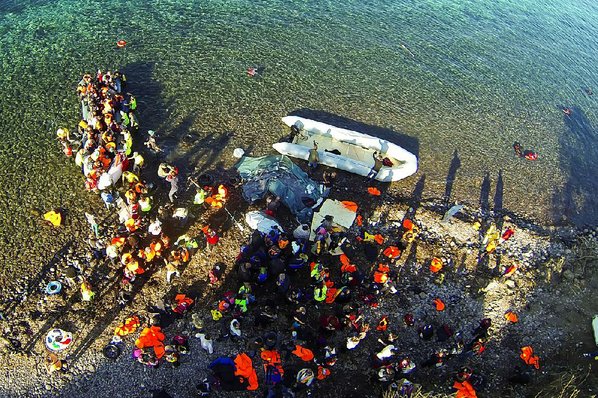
(454, 75)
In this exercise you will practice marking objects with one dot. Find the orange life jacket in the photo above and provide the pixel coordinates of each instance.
(439, 304)
(322, 373)
(392, 252)
(527, 354)
(436, 265)
(464, 390)
(511, 317)
(383, 324)
(408, 224)
(129, 326)
(244, 368)
(305, 354)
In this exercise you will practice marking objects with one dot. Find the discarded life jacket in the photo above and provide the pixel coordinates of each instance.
(511, 317)
(527, 354)
(464, 390)
(439, 304)
(322, 373)
(392, 252)
(129, 326)
(436, 265)
(244, 368)
(374, 191)
(152, 337)
(305, 354)
(54, 217)
(507, 234)
(510, 270)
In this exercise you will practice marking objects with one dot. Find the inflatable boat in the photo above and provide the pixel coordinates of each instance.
(347, 150)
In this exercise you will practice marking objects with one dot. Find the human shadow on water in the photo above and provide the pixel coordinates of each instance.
(498, 201)
(152, 109)
(485, 195)
(416, 197)
(498, 211)
(405, 141)
(577, 201)
(450, 179)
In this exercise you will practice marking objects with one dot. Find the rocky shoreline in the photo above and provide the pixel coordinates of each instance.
(549, 262)
(543, 274)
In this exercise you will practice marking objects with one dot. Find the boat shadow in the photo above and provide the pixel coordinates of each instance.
(401, 139)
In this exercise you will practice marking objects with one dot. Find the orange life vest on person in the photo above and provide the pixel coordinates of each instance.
(223, 192)
(185, 255)
(383, 324)
(134, 266)
(118, 241)
(344, 259)
(331, 294)
(157, 247)
(271, 357)
(381, 275)
(359, 220)
(131, 225)
(348, 268)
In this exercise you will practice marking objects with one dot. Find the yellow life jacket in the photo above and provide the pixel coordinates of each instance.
(54, 217)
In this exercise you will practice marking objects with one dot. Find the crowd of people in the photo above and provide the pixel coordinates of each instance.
(304, 299)
(103, 148)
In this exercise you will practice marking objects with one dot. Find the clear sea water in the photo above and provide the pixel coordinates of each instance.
(453, 75)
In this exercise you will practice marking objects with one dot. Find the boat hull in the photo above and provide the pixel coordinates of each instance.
(356, 149)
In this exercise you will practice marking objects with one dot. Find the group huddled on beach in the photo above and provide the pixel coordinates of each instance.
(303, 301)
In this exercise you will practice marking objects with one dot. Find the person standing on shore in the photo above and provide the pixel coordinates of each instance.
(173, 178)
(376, 167)
(314, 157)
(328, 177)
(95, 227)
